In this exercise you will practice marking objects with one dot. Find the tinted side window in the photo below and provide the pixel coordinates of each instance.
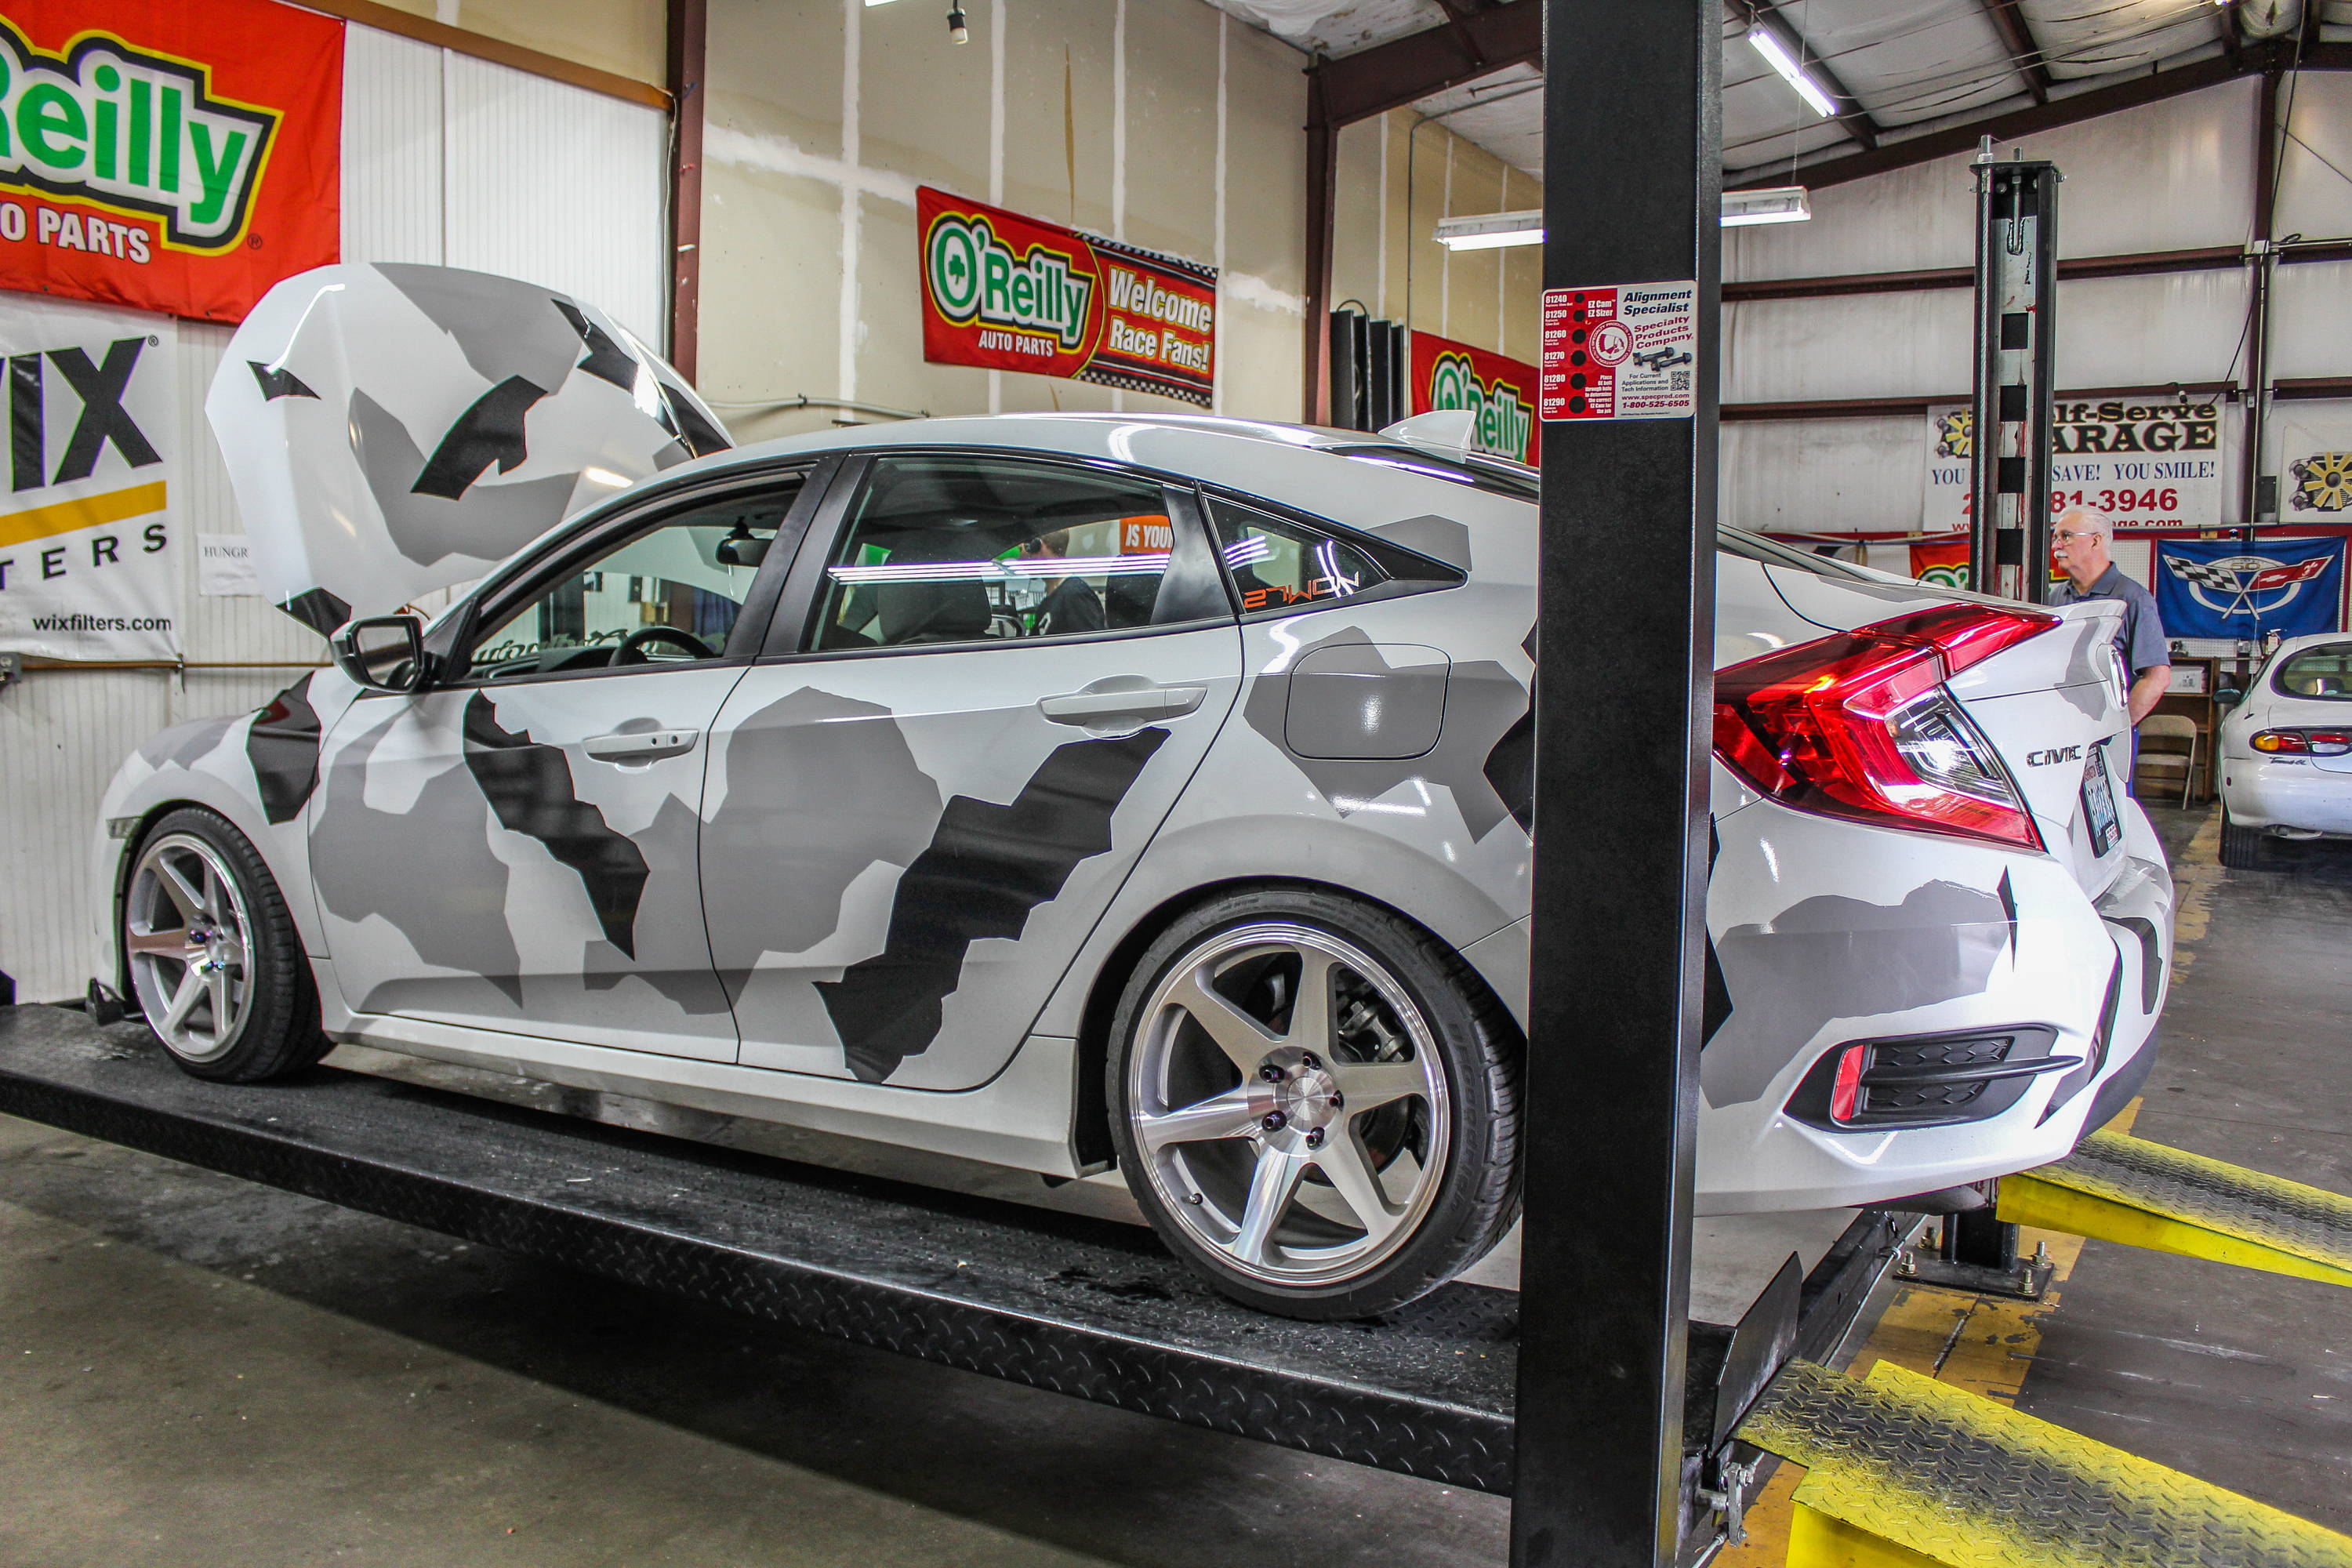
(1279, 564)
(668, 593)
(989, 549)
(2324, 671)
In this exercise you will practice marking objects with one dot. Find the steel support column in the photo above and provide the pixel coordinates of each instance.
(1632, 160)
(2011, 432)
(690, 23)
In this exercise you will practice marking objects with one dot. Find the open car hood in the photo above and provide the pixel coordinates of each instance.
(392, 429)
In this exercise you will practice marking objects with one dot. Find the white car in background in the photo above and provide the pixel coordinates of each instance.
(2286, 750)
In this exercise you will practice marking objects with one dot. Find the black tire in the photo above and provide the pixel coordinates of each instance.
(2242, 847)
(1426, 1021)
(273, 1023)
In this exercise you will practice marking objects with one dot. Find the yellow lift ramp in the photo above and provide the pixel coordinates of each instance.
(2117, 1188)
(1907, 1472)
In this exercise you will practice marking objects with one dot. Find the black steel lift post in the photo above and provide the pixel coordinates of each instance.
(1633, 193)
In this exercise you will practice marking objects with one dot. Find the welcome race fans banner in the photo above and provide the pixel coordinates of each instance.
(2223, 588)
(168, 156)
(90, 563)
(1008, 292)
(1500, 390)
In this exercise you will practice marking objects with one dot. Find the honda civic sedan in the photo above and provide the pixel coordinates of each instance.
(2286, 750)
(1152, 793)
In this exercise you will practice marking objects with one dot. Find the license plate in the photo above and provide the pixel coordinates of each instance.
(2099, 803)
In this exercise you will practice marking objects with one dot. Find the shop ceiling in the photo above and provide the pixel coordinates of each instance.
(1908, 80)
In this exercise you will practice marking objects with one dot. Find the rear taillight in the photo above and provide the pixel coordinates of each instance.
(2304, 742)
(1857, 724)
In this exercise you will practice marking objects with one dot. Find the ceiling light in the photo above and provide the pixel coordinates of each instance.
(1778, 57)
(1486, 231)
(1490, 231)
(1778, 204)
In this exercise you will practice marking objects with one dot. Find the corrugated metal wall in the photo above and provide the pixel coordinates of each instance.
(446, 159)
(2174, 176)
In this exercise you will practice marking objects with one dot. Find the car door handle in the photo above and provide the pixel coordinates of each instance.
(640, 745)
(1123, 702)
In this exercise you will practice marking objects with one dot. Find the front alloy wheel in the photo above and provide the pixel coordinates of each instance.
(189, 938)
(213, 959)
(1316, 1111)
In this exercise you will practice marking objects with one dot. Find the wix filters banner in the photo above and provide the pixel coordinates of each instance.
(165, 155)
(90, 566)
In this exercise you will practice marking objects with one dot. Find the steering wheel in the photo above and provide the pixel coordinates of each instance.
(632, 648)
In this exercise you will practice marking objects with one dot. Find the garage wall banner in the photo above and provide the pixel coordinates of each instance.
(1498, 390)
(167, 156)
(90, 566)
(1943, 563)
(2223, 588)
(1008, 292)
(2144, 465)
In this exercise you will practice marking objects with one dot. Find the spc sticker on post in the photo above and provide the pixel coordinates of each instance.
(1629, 351)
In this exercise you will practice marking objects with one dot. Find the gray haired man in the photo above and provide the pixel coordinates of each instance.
(2079, 541)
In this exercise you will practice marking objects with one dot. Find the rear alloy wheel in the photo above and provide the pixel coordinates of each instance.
(1316, 1103)
(2242, 847)
(215, 964)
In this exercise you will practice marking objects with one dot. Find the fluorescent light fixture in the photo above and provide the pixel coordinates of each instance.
(1489, 231)
(1777, 56)
(1780, 204)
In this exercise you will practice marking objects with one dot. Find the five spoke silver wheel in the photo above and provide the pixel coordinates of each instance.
(189, 938)
(1290, 1103)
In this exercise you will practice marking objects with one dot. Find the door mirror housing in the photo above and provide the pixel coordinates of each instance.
(383, 653)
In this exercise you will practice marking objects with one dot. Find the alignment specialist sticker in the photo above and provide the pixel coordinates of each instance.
(1629, 351)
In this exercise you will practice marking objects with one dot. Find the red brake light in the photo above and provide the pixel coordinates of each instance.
(2302, 742)
(1855, 725)
(1845, 1090)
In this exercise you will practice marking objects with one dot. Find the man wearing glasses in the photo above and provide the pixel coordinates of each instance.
(2079, 544)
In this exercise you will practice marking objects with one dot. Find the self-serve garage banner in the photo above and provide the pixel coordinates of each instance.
(1498, 390)
(1008, 292)
(89, 564)
(2153, 463)
(166, 155)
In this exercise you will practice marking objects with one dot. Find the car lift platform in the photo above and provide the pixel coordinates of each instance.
(1088, 1307)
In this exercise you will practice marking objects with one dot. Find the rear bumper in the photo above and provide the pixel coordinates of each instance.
(2095, 971)
(2286, 794)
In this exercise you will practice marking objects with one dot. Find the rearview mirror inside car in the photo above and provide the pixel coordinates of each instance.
(384, 653)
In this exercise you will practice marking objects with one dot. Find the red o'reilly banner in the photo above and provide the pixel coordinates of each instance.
(1497, 389)
(1008, 292)
(166, 155)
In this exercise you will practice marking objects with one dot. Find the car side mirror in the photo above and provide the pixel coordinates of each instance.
(2229, 697)
(384, 653)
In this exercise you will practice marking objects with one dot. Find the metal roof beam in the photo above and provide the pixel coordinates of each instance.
(1474, 41)
(2017, 38)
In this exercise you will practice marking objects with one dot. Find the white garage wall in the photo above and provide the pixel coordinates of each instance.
(446, 159)
(2174, 176)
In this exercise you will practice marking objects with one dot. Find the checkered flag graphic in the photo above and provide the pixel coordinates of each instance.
(2220, 579)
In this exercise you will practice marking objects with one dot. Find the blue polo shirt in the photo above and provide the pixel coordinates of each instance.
(2139, 638)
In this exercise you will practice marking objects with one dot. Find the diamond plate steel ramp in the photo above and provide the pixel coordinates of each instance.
(1902, 1468)
(2117, 1188)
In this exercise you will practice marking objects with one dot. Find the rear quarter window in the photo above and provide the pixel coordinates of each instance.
(2324, 672)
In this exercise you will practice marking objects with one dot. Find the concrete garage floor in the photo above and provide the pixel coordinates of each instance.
(196, 1371)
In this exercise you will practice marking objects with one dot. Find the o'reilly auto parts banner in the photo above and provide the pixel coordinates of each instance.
(1498, 389)
(2154, 464)
(165, 156)
(90, 566)
(1008, 292)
